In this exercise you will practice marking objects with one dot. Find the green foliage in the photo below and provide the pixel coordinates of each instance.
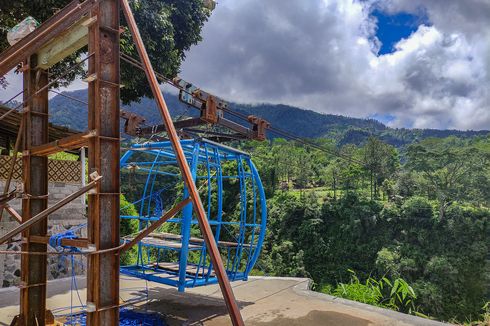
(168, 28)
(397, 295)
(127, 227)
(64, 156)
(387, 226)
(450, 166)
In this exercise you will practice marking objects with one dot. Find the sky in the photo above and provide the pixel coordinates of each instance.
(407, 63)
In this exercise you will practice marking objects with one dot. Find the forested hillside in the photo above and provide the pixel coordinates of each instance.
(401, 220)
(405, 229)
(414, 237)
(309, 124)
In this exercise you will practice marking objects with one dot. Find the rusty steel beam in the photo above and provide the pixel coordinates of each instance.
(79, 243)
(42, 215)
(51, 28)
(132, 122)
(192, 122)
(259, 127)
(246, 132)
(104, 152)
(35, 200)
(64, 144)
(13, 213)
(214, 254)
(165, 217)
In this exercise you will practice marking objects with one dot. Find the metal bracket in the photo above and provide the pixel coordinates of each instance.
(259, 127)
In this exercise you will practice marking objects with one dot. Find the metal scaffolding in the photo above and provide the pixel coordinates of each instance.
(96, 23)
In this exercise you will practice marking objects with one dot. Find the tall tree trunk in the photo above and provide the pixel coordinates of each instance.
(371, 184)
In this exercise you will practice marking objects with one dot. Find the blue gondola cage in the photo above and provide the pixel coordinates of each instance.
(232, 194)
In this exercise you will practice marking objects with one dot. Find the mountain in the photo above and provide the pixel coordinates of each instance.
(303, 123)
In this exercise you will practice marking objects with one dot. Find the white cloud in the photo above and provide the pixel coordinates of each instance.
(320, 54)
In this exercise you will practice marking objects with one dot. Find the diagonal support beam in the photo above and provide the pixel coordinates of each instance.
(24, 226)
(4, 199)
(164, 218)
(13, 213)
(223, 280)
(64, 144)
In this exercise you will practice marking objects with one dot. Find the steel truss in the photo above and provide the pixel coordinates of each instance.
(100, 18)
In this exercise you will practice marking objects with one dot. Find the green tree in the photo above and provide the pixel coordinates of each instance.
(381, 162)
(448, 169)
(168, 27)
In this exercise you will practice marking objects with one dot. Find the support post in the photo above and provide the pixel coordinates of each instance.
(227, 291)
(82, 172)
(185, 228)
(103, 204)
(35, 179)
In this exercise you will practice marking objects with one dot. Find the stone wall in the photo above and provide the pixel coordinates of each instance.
(69, 216)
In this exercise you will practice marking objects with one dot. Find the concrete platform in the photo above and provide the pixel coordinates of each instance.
(263, 301)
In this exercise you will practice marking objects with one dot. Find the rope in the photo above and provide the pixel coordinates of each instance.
(65, 73)
(127, 317)
(56, 239)
(12, 98)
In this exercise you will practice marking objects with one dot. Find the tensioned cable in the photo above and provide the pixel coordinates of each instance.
(68, 97)
(79, 100)
(312, 144)
(244, 117)
(12, 98)
(64, 74)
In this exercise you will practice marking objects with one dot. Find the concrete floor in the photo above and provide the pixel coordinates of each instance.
(263, 301)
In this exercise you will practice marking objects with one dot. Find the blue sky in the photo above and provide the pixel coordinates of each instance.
(411, 63)
(391, 28)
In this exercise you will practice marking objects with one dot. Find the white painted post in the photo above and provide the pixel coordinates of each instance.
(82, 166)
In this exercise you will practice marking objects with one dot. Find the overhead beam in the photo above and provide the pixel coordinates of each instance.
(79, 243)
(51, 28)
(65, 44)
(192, 122)
(64, 144)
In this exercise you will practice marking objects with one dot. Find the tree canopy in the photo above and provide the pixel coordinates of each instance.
(418, 217)
(168, 27)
